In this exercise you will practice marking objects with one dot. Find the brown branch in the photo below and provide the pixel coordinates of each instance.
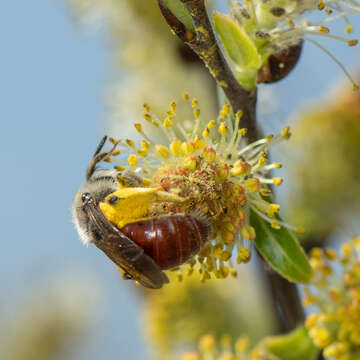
(285, 298)
(204, 44)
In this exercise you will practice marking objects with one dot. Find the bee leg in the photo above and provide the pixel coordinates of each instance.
(99, 156)
(128, 179)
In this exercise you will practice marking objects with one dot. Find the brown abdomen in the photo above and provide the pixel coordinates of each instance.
(169, 240)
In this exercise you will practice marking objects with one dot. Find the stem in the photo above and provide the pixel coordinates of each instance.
(204, 44)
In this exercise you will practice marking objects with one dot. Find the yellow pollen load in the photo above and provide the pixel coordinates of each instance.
(133, 205)
(175, 148)
(162, 151)
(133, 160)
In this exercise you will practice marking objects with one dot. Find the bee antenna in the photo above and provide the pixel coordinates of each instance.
(99, 156)
(100, 146)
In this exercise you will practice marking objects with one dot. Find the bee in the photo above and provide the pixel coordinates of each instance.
(94, 228)
(141, 246)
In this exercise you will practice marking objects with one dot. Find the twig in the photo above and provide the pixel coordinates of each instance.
(286, 296)
(204, 44)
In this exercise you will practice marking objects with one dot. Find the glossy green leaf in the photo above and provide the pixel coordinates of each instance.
(236, 42)
(181, 12)
(294, 346)
(281, 250)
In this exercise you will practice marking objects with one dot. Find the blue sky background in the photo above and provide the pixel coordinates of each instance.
(53, 81)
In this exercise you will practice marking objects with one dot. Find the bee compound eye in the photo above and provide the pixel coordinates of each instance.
(113, 200)
(85, 197)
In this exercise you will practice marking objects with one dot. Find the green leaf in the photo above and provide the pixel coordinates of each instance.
(181, 12)
(281, 250)
(294, 346)
(236, 42)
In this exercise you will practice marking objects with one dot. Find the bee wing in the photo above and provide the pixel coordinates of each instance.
(123, 251)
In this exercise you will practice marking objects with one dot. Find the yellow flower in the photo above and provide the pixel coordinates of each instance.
(335, 327)
(216, 179)
(209, 349)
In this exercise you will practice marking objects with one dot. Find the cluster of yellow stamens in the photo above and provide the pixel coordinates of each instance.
(218, 176)
(336, 293)
(208, 349)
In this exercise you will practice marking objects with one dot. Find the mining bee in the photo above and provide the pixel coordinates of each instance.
(145, 246)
